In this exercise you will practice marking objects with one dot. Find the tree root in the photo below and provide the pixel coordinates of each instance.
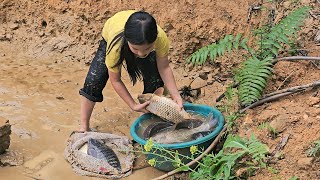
(279, 94)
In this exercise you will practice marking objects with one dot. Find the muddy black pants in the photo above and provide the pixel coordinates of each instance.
(98, 76)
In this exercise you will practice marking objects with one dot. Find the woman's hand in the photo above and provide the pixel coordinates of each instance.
(140, 107)
(179, 101)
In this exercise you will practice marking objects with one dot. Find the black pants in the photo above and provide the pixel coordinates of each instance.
(98, 76)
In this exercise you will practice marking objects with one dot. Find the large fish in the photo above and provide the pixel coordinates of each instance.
(100, 150)
(164, 107)
(169, 136)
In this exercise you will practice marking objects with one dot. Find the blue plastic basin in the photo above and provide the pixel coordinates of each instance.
(182, 148)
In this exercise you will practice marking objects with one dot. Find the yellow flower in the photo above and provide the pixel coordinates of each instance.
(152, 162)
(193, 149)
(148, 145)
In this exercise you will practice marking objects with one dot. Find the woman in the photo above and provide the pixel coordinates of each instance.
(133, 37)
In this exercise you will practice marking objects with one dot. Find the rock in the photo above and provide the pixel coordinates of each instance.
(305, 2)
(168, 26)
(304, 163)
(13, 26)
(11, 158)
(278, 124)
(207, 69)
(287, 4)
(5, 131)
(8, 37)
(2, 31)
(210, 79)
(313, 101)
(198, 83)
(203, 75)
(317, 37)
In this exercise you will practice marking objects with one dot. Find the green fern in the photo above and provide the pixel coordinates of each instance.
(227, 160)
(215, 50)
(253, 79)
(314, 150)
(255, 71)
(272, 41)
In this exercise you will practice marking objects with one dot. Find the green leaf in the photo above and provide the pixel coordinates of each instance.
(184, 168)
(237, 40)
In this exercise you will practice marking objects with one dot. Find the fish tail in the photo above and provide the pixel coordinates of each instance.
(213, 123)
(112, 159)
(209, 123)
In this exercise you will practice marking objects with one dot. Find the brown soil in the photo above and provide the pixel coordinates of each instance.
(46, 46)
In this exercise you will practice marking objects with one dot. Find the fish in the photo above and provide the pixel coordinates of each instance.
(155, 128)
(164, 107)
(98, 149)
(160, 126)
(171, 136)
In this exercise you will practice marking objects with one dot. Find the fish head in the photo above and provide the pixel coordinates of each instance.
(145, 97)
(211, 121)
(95, 142)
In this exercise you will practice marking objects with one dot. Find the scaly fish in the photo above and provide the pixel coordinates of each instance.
(100, 150)
(164, 107)
(169, 136)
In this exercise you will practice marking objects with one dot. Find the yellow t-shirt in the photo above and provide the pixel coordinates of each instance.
(115, 25)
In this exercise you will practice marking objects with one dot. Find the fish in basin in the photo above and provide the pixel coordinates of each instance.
(185, 134)
(98, 149)
(164, 107)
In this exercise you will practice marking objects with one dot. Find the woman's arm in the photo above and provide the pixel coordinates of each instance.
(168, 79)
(123, 92)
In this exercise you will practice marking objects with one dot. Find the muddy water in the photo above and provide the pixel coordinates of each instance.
(40, 99)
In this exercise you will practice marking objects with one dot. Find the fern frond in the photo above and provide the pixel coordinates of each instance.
(256, 149)
(271, 41)
(252, 78)
(218, 49)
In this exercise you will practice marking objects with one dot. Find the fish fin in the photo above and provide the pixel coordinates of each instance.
(189, 124)
(208, 118)
(185, 114)
(200, 134)
(173, 127)
(213, 123)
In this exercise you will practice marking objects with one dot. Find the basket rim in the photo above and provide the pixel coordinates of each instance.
(187, 106)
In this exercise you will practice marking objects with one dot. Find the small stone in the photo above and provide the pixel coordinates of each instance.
(2, 32)
(317, 37)
(286, 4)
(41, 34)
(198, 83)
(210, 80)
(304, 163)
(278, 124)
(203, 75)
(8, 36)
(185, 74)
(5, 131)
(206, 69)
(13, 26)
(305, 2)
(60, 97)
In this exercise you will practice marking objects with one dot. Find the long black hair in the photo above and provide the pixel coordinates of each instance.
(140, 28)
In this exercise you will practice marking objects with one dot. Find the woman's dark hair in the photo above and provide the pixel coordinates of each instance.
(140, 28)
